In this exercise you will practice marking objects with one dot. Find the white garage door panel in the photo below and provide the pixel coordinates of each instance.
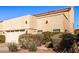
(13, 36)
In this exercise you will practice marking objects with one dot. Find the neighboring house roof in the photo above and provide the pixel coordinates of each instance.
(76, 29)
(52, 12)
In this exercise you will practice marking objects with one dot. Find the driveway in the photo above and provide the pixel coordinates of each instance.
(40, 49)
(3, 48)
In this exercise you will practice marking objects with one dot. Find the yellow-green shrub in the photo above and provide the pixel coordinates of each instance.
(12, 47)
(2, 38)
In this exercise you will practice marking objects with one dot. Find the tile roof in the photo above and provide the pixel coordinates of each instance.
(52, 12)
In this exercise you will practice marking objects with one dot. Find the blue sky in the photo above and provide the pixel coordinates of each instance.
(8, 12)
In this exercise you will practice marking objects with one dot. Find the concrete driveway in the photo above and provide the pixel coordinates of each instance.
(4, 48)
(40, 49)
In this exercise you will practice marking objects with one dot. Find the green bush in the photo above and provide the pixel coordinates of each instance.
(67, 42)
(13, 47)
(29, 41)
(24, 43)
(2, 38)
(47, 36)
(67, 36)
(39, 39)
(32, 46)
(24, 39)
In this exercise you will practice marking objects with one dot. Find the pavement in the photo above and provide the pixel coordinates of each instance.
(4, 48)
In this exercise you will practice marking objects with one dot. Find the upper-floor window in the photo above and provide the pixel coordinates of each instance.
(26, 22)
(46, 21)
(56, 30)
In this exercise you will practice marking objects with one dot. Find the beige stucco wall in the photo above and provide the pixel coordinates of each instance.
(1, 26)
(16, 23)
(33, 25)
(54, 22)
(66, 21)
(69, 23)
(71, 18)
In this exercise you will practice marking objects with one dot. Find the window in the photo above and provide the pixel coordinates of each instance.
(12, 31)
(8, 31)
(16, 30)
(26, 22)
(19, 30)
(22, 30)
(39, 30)
(56, 30)
(46, 22)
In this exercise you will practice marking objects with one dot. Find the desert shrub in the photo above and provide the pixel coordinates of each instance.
(77, 38)
(24, 44)
(49, 44)
(13, 47)
(38, 38)
(56, 40)
(29, 41)
(67, 42)
(54, 33)
(32, 46)
(47, 36)
(67, 36)
(56, 44)
(2, 38)
(23, 40)
(76, 44)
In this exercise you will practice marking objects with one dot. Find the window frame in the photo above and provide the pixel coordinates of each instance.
(46, 22)
(56, 30)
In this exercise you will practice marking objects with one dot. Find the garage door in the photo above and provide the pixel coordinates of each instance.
(12, 36)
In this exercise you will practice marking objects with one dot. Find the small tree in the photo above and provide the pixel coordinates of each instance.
(2, 38)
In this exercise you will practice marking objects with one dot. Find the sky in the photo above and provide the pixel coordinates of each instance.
(8, 12)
